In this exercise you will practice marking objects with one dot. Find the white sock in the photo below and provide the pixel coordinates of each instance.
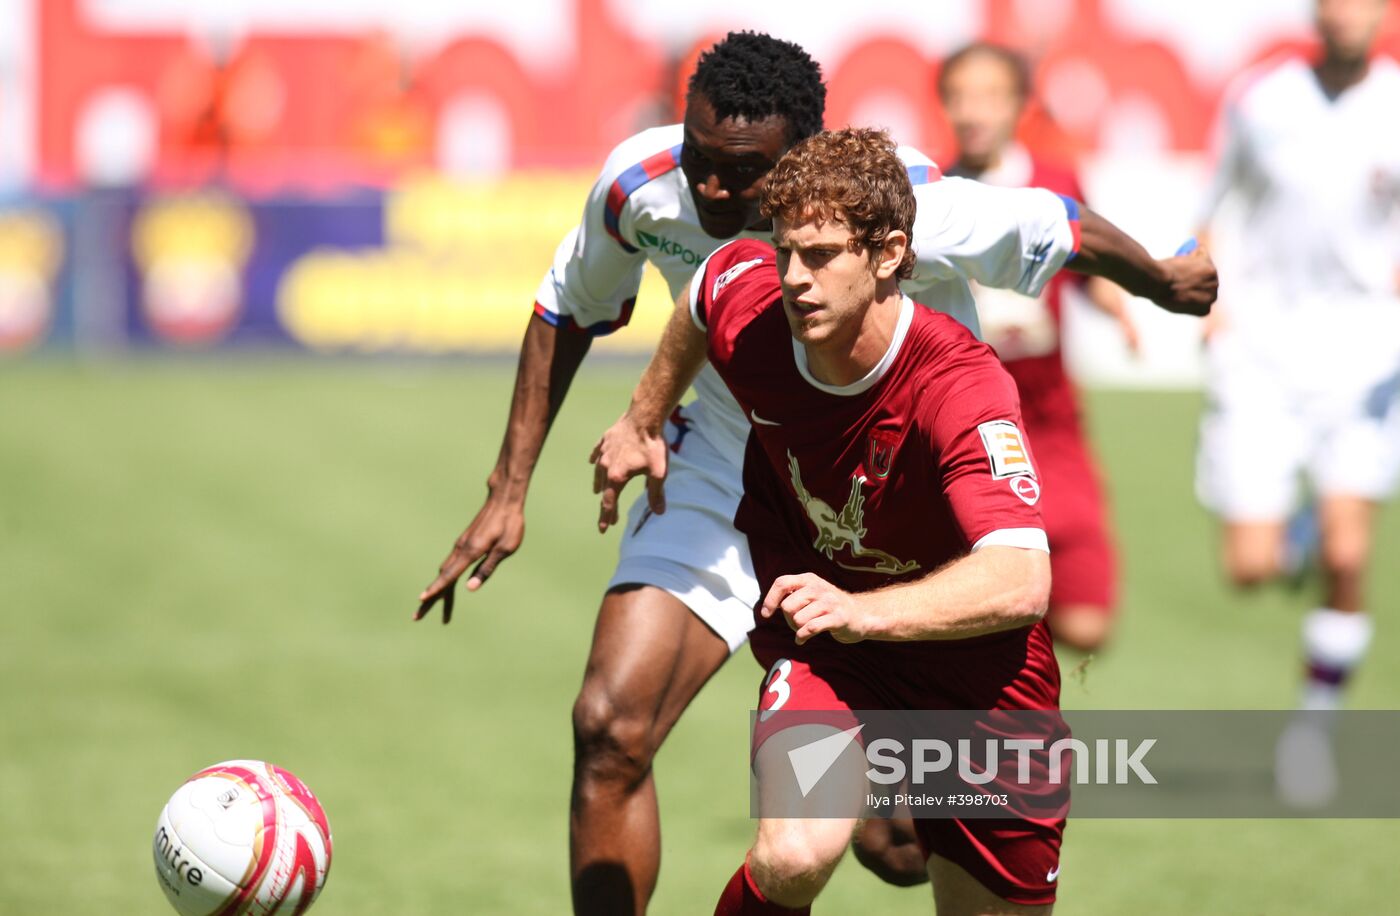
(1334, 642)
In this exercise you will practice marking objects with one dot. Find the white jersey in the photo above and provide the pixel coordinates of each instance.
(1320, 183)
(641, 209)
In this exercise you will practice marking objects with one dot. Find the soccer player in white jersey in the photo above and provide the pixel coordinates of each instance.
(681, 598)
(1305, 355)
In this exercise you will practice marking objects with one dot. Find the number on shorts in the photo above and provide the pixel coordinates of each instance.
(777, 684)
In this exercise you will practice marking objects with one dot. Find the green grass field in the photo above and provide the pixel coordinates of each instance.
(206, 560)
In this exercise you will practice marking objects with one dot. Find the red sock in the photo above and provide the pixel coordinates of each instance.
(741, 897)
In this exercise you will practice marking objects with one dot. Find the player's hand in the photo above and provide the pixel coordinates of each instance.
(493, 535)
(1191, 284)
(813, 605)
(626, 450)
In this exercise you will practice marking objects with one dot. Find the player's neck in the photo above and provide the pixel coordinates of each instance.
(847, 359)
(1337, 75)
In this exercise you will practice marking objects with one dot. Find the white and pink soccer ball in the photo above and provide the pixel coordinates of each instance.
(242, 837)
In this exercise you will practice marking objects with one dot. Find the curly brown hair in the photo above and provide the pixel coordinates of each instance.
(852, 175)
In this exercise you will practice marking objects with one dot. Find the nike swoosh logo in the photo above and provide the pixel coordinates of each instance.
(753, 415)
(1052, 874)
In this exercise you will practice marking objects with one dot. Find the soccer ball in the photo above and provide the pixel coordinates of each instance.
(242, 837)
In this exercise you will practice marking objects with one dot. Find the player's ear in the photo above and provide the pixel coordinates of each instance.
(891, 254)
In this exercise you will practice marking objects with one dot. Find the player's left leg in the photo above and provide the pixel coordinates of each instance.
(1336, 635)
(1354, 467)
(793, 857)
(1084, 570)
(1082, 627)
(650, 657)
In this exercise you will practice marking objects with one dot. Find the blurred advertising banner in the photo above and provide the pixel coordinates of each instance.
(371, 177)
(432, 267)
(35, 280)
(265, 95)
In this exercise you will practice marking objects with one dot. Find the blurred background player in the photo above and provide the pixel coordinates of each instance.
(1305, 357)
(984, 89)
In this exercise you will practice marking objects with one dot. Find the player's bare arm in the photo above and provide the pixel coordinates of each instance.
(1185, 285)
(549, 358)
(635, 444)
(997, 588)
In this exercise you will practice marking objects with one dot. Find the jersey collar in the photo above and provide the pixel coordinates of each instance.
(877, 372)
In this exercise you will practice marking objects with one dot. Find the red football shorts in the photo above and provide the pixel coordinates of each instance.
(1018, 860)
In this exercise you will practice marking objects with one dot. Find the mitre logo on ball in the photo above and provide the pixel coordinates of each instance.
(191, 252)
(242, 837)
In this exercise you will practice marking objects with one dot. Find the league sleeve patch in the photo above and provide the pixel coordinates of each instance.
(1006, 448)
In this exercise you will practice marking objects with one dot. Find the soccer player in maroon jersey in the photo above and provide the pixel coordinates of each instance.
(926, 588)
(984, 89)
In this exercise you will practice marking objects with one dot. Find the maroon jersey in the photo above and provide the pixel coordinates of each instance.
(884, 480)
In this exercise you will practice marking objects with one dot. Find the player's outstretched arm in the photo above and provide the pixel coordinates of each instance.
(996, 588)
(549, 358)
(635, 444)
(1185, 285)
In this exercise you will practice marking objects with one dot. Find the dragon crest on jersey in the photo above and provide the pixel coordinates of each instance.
(844, 530)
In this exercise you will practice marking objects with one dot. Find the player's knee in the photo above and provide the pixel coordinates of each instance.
(611, 742)
(1249, 569)
(1253, 555)
(1085, 630)
(1345, 558)
(790, 868)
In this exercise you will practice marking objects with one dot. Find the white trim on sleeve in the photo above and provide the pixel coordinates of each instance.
(1025, 538)
(696, 282)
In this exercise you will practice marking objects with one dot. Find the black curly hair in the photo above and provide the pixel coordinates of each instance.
(754, 76)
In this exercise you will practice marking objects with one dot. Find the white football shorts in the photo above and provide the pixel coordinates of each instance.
(1303, 402)
(692, 550)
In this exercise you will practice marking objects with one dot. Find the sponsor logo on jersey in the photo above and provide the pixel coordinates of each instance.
(665, 246)
(732, 274)
(1006, 448)
(845, 530)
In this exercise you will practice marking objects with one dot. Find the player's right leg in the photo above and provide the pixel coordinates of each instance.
(650, 657)
(1253, 444)
(680, 601)
(799, 841)
(793, 857)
